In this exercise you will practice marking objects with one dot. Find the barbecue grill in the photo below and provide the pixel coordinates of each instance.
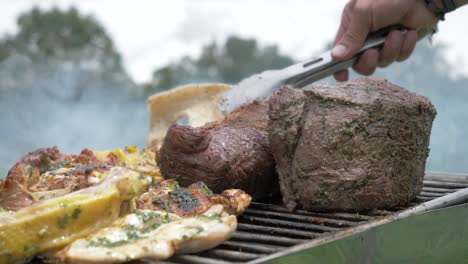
(268, 232)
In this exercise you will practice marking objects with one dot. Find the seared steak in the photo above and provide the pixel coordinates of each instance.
(355, 146)
(233, 153)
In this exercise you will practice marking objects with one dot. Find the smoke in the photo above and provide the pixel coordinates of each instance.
(66, 104)
(73, 105)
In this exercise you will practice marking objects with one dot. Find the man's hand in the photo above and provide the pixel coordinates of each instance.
(361, 17)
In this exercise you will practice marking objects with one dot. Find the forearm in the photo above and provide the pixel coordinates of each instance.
(460, 3)
(441, 7)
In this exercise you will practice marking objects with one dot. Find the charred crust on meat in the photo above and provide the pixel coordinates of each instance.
(190, 201)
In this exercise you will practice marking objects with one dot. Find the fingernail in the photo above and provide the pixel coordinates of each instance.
(339, 51)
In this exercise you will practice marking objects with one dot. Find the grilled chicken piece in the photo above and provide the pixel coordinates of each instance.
(47, 173)
(194, 199)
(150, 235)
(168, 220)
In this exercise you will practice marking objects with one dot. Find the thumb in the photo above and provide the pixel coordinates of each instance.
(352, 37)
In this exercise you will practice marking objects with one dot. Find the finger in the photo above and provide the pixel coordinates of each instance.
(392, 48)
(354, 35)
(343, 24)
(341, 76)
(409, 43)
(367, 62)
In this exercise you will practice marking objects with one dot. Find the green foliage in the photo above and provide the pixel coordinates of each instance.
(236, 59)
(62, 35)
(62, 53)
(6, 47)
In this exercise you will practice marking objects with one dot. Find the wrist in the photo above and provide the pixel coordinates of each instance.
(441, 7)
(460, 3)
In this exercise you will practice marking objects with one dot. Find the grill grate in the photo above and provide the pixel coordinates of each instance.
(267, 228)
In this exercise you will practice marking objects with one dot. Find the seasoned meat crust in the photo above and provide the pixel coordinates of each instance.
(197, 198)
(233, 153)
(355, 146)
(14, 194)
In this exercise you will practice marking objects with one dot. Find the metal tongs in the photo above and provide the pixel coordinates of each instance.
(296, 76)
(323, 66)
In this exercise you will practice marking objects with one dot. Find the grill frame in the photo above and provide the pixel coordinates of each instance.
(251, 245)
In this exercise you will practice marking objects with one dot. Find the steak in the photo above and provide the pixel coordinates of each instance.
(234, 153)
(356, 146)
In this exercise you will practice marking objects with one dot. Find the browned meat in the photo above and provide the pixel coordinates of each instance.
(14, 194)
(47, 169)
(87, 157)
(354, 146)
(73, 178)
(193, 200)
(234, 153)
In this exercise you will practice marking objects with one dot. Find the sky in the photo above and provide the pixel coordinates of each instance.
(151, 33)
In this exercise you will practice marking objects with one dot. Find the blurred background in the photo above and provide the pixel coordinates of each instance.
(77, 73)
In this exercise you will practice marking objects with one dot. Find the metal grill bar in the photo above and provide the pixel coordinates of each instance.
(341, 216)
(268, 239)
(276, 231)
(199, 260)
(449, 185)
(431, 194)
(251, 247)
(233, 255)
(290, 224)
(423, 199)
(439, 190)
(302, 218)
(444, 177)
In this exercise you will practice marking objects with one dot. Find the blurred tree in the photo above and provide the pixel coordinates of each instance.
(62, 83)
(63, 35)
(69, 54)
(236, 59)
(6, 47)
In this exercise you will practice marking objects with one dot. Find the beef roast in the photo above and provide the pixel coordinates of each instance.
(355, 146)
(233, 153)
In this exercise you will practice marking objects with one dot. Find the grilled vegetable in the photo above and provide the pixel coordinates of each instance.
(54, 223)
